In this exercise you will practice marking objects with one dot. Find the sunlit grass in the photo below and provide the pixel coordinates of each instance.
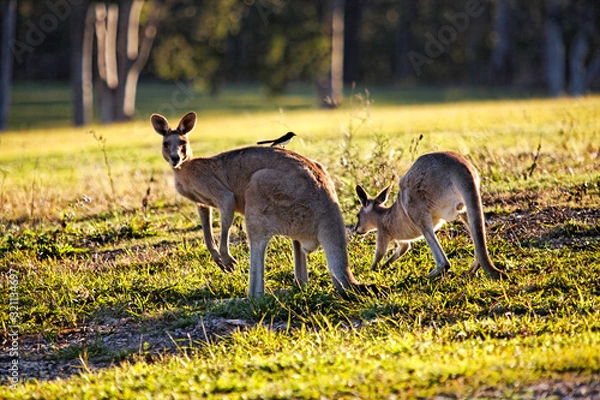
(53, 166)
(86, 255)
(336, 362)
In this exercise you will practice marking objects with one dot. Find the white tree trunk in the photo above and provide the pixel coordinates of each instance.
(138, 56)
(122, 54)
(337, 52)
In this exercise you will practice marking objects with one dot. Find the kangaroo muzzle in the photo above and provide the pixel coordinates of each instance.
(356, 230)
(175, 160)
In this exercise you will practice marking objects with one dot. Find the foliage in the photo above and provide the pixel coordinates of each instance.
(292, 45)
(285, 40)
(194, 42)
(281, 41)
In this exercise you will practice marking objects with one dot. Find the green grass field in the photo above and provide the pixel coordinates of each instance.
(118, 297)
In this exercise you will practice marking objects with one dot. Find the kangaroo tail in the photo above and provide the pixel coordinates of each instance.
(333, 239)
(469, 189)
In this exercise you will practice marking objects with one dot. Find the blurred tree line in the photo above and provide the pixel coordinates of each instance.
(513, 43)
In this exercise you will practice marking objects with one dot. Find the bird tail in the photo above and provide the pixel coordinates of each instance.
(265, 142)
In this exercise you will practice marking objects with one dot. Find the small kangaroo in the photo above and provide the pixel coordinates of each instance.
(437, 188)
(279, 191)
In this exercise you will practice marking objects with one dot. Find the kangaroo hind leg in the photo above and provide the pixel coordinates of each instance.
(381, 247)
(205, 213)
(258, 248)
(227, 210)
(401, 249)
(300, 264)
(442, 265)
(464, 218)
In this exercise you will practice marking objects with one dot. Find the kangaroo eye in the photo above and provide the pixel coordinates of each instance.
(165, 145)
(182, 143)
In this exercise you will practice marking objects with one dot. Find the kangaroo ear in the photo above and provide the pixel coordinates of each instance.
(383, 195)
(160, 124)
(187, 123)
(362, 195)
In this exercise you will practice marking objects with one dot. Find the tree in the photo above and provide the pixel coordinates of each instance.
(330, 86)
(352, 53)
(197, 44)
(121, 54)
(555, 49)
(593, 70)
(6, 58)
(403, 38)
(82, 42)
(572, 26)
(584, 29)
(277, 42)
(501, 43)
(123, 48)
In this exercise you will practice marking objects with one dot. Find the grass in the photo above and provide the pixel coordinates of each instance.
(50, 103)
(340, 363)
(102, 244)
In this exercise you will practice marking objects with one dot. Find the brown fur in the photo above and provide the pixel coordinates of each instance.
(279, 191)
(439, 187)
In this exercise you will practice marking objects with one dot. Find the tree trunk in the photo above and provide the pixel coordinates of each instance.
(555, 50)
(82, 42)
(577, 69)
(9, 11)
(500, 51)
(121, 56)
(140, 56)
(402, 70)
(106, 36)
(593, 70)
(330, 86)
(126, 49)
(352, 19)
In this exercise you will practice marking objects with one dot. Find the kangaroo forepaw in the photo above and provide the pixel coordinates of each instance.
(474, 268)
(225, 267)
(496, 274)
(220, 264)
(369, 289)
(438, 272)
(229, 262)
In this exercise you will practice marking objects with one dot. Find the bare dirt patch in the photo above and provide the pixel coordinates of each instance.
(568, 386)
(96, 346)
(549, 227)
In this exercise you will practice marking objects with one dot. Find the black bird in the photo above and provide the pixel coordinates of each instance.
(282, 141)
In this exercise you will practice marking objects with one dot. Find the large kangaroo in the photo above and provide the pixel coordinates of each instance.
(436, 189)
(279, 191)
